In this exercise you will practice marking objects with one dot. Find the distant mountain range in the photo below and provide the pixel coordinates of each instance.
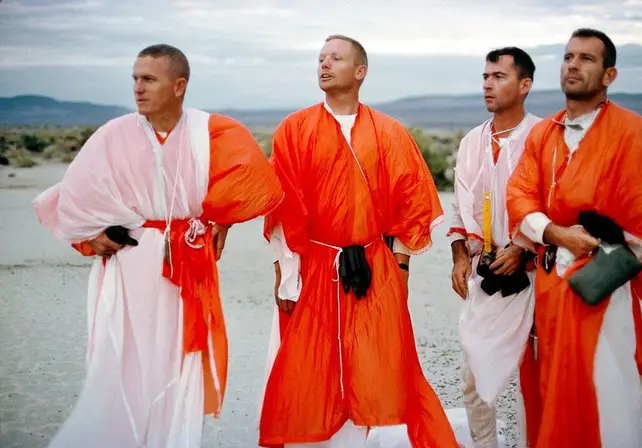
(430, 111)
(39, 110)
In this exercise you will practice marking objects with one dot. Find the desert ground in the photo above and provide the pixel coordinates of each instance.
(43, 322)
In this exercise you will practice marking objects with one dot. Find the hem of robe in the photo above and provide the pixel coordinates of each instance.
(437, 221)
(463, 232)
(279, 441)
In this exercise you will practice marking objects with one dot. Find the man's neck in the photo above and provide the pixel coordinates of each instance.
(577, 108)
(507, 120)
(165, 121)
(345, 103)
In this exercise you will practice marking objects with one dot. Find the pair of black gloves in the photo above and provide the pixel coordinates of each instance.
(354, 271)
(507, 284)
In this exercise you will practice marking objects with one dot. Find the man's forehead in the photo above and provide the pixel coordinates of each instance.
(337, 46)
(150, 66)
(591, 45)
(150, 61)
(503, 64)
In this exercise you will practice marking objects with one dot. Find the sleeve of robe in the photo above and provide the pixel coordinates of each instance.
(457, 231)
(291, 213)
(524, 190)
(626, 201)
(242, 184)
(416, 206)
(87, 199)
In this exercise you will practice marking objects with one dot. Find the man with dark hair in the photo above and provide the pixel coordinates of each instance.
(343, 355)
(521, 60)
(489, 264)
(609, 56)
(577, 194)
(151, 195)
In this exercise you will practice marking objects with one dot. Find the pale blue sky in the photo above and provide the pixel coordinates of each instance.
(256, 54)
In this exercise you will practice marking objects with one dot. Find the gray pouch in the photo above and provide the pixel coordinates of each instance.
(610, 268)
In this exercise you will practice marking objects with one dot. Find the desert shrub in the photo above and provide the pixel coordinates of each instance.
(24, 162)
(438, 153)
(32, 143)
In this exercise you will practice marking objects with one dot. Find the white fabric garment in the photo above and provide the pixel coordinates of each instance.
(493, 329)
(289, 264)
(397, 437)
(139, 391)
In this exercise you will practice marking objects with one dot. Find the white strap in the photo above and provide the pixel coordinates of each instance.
(336, 264)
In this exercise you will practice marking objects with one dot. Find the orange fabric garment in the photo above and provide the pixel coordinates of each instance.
(160, 138)
(84, 248)
(603, 176)
(327, 200)
(237, 166)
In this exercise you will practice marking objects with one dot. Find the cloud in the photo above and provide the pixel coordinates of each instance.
(247, 53)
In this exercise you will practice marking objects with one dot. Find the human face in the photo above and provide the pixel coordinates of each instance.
(156, 89)
(338, 67)
(583, 75)
(503, 90)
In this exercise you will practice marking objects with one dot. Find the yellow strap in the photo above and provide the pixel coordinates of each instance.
(487, 234)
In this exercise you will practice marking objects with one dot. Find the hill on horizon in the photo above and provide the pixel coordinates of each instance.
(427, 111)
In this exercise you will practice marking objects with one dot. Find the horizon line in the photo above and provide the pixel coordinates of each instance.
(284, 108)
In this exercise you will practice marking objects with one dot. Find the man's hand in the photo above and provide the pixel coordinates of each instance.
(508, 260)
(462, 268)
(219, 234)
(287, 306)
(103, 246)
(462, 271)
(576, 239)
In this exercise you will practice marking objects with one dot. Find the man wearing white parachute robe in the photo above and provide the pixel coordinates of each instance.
(494, 327)
(177, 179)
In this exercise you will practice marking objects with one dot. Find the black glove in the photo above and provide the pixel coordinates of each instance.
(602, 227)
(608, 270)
(120, 235)
(354, 271)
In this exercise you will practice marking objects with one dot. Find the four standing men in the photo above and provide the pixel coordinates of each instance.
(347, 201)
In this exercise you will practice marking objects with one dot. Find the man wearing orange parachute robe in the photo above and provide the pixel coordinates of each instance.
(582, 379)
(175, 179)
(338, 364)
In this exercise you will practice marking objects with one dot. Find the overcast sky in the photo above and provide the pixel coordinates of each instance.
(262, 53)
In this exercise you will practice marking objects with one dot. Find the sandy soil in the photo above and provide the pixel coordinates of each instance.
(43, 322)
